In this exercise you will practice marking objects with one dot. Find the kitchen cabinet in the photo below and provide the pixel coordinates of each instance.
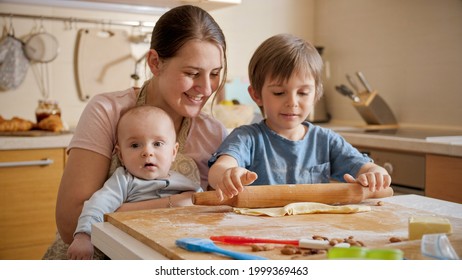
(421, 161)
(29, 186)
(131, 6)
(205, 4)
(436, 176)
(443, 177)
(407, 169)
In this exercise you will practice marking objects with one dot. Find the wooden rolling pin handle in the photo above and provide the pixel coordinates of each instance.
(210, 198)
(259, 196)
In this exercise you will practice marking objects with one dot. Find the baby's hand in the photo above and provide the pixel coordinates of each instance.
(233, 182)
(374, 180)
(81, 248)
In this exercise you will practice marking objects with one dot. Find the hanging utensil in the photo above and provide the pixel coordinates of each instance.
(135, 75)
(97, 71)
(41, 48)
(13, 63)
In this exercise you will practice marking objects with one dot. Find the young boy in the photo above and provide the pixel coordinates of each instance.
(146, 147)
(285, 81)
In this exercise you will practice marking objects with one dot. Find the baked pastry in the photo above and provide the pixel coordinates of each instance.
(51, 123)
(15, 124)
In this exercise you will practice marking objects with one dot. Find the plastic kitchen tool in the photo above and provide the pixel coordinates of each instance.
(361, 253)
(249, 240)
(384, 254)
(207, 246)
(438, 246)
(302, 243)
(352, 253)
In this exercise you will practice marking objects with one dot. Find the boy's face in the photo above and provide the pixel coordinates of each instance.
(147, 146)
(286, 104)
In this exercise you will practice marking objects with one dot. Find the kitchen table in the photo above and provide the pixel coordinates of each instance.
(126, 242)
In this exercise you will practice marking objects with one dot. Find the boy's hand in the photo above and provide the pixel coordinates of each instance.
(233, 182)
(81, 248)
(374, 180)
(371, 175)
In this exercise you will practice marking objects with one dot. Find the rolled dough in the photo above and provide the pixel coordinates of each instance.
(299, 208)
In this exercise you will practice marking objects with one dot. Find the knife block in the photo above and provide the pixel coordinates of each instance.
(374, 110)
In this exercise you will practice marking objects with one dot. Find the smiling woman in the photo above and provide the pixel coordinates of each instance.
(188, 62)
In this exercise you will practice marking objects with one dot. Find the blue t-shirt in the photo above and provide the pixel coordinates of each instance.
(321, 155)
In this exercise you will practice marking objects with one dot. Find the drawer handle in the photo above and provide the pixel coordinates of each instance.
(42, 162)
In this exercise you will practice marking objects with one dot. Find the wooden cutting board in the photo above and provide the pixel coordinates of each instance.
(103, 61)
(32, 133)
(160, 228)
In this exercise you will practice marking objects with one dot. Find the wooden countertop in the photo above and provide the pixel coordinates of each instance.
(34, 142)
(405, 144)
(402, 144)
(355, 135)
(152, 234)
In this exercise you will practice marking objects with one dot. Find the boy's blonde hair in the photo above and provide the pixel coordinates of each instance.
(279, 56)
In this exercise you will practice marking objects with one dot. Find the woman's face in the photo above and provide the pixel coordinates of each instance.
(187, 80)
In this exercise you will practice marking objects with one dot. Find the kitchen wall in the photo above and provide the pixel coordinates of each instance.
(23, 100)
(245, 26)
(409, 51)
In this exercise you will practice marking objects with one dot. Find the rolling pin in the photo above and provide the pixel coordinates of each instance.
(260, 196)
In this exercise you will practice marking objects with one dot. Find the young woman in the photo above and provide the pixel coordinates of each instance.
(187, 58)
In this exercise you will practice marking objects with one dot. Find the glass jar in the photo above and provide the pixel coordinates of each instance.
(46, 108)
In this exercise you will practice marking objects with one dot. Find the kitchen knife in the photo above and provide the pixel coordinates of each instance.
(259, 196)
(343, 89)
(363, 80)
(352, 83)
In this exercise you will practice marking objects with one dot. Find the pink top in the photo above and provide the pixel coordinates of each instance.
(97, 125)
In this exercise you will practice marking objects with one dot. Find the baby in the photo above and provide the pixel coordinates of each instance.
(146, 147)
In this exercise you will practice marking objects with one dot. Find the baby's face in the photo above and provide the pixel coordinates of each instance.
(147, 146)
(288, 103)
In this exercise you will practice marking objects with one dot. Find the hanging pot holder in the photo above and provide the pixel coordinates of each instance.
(13, 63)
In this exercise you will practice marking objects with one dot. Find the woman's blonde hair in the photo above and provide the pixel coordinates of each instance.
(279, 56)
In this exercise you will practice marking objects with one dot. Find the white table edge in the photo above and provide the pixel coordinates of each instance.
(118, 245)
